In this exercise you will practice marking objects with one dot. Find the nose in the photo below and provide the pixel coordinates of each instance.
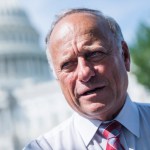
(85, 70)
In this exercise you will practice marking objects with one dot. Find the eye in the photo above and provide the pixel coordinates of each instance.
(96, 55)
(68, 66)
(65, 65)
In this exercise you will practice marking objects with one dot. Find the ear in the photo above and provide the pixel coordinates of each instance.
(126, 55)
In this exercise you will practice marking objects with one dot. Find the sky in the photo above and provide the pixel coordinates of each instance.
(127, 13)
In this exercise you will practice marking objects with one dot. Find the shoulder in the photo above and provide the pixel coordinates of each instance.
(142, 106)
(64, 127)
(53, 138)
(38, 144)
(62, 134)
(144, 109)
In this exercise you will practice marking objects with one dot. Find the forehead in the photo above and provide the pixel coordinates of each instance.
(73, 24)
(76, 32)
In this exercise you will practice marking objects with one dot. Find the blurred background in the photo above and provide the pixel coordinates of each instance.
(31, 102)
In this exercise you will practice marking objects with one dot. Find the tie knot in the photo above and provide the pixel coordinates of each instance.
(110, 130)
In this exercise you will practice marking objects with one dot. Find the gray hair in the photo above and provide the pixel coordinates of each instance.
(113, 25)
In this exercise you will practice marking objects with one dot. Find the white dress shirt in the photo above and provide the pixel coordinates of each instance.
(79, 133)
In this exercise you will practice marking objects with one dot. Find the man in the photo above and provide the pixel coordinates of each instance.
(91, 59)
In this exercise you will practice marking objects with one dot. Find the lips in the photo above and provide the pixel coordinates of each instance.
(92, 91)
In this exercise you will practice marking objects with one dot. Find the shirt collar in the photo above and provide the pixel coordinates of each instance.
(128, 117)
(86, 127)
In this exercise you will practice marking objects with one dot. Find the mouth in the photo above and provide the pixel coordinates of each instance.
(93, 91)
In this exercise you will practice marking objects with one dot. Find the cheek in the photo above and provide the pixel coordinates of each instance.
(108, 71)
(67, 83)
(118, 76)
(100, 69)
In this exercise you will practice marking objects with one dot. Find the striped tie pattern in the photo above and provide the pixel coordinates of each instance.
(111, 132)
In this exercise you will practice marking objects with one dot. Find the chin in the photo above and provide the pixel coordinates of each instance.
(94, 111)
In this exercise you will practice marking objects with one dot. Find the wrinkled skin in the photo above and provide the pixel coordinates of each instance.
(91, 65)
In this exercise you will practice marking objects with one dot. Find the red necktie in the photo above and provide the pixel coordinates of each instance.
(111, 132)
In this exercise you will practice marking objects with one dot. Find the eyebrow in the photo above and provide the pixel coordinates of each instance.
(94, 48)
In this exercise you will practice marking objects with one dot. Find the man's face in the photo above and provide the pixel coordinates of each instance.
(89, 66)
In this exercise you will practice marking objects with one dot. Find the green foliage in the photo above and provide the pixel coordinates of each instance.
(140, 52)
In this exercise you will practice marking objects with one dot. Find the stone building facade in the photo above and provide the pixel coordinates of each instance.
(31, 102)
